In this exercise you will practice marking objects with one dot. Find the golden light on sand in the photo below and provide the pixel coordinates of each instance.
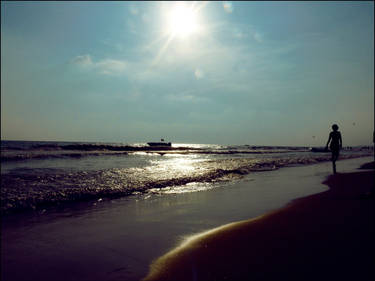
(182, 20)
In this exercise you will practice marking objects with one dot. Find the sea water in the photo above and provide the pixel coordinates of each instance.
(38, 175)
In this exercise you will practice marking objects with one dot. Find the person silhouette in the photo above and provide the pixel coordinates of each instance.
(335, 146)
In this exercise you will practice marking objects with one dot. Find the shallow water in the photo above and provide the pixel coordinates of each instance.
(39, 175)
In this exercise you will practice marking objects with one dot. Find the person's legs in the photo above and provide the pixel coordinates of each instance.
(335, 155)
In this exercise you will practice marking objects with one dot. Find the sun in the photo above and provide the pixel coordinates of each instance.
(182, 20)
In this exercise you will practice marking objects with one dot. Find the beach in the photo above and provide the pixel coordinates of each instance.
(325, 236)
(186, 140)
(118, 239)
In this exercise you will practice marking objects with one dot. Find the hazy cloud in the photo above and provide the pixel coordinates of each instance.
(145, 17)
(84, 60)
(238, 34)
(106, 66)
(258, 37)
(110, 66)
(228, 7)
(131, 25)
(187, 96)
(199, 73)
(134, 10)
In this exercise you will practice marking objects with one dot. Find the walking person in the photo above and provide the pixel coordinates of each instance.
(335, 146)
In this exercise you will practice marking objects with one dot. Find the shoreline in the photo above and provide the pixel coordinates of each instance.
(118, 239)
(42, 200)
(324, 236)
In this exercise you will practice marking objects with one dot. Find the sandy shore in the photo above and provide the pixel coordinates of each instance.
(326, 236)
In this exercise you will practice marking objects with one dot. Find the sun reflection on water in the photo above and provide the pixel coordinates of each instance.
(187, 188)
(176, 164)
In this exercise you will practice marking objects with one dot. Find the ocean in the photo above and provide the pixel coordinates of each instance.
(38, 175)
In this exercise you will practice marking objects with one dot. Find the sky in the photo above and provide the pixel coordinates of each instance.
(258, 73)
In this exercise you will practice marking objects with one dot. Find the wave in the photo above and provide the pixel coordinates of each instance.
(52, 150)
(35, 190)
(46, 151)
(5, 157)
(99, 147)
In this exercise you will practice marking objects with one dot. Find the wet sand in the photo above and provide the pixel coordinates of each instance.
(326, 236)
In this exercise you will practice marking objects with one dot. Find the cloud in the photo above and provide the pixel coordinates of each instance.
(189, 96)
(146, 18)
(84, 60)
(239, 34)
(134, 10)
(228, 7)
(110, 66)
(199, 73)
(241, 31)
(131, 25)
(258, 37)
(105, 66)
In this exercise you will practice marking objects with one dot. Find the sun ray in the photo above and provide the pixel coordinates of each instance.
(162, 50)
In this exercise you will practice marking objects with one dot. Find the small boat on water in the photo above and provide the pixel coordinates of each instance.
(319, 149)
(161, 143)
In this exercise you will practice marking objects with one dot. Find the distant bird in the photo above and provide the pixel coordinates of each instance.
(353, 123)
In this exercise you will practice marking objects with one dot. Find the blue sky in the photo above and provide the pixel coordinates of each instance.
(262, 73)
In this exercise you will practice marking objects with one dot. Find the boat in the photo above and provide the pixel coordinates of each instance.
(319, 149)
(161, 143)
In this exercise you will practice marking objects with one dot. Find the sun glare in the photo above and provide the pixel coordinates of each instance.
(182, 20)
